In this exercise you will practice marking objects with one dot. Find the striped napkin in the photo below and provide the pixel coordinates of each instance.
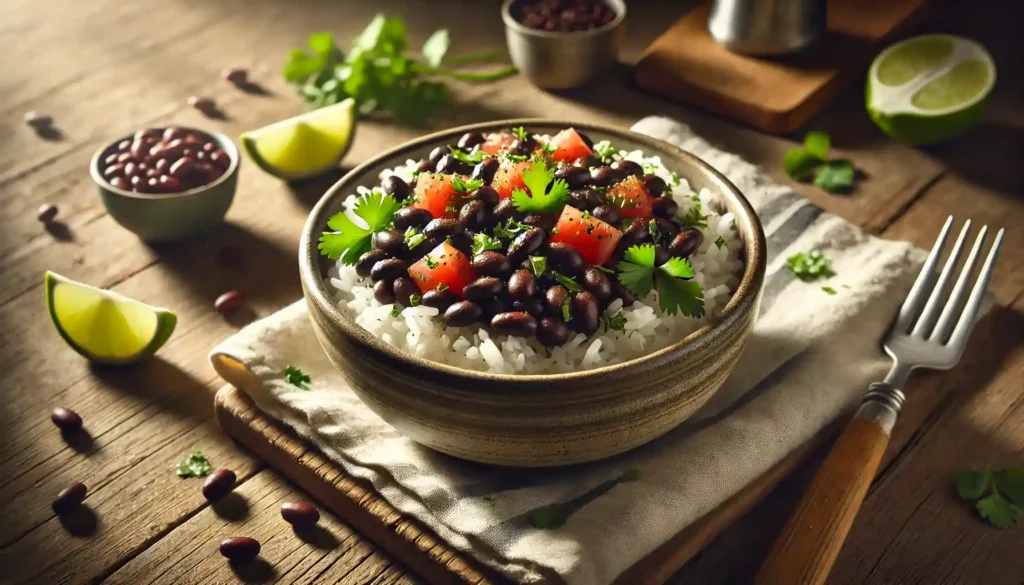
(810, 357)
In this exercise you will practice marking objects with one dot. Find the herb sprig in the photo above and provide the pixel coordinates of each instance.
(195, 464)
(349, 241)
(676, 293)
(296, 377)
(541, 199)
(811, 161)
(998, 497)
(810, 267)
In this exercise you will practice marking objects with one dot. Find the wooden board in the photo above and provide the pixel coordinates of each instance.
(416, 546)
(776, 95)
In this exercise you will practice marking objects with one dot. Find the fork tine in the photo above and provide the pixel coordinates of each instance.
(923, 285)
(963, 328)
(951, 312)
(935, 300)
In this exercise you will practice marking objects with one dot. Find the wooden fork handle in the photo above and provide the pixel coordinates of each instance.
(809, 544)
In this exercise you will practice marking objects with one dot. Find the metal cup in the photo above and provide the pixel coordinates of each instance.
(766, 27)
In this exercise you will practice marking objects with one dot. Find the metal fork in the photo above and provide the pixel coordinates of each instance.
(930, 331)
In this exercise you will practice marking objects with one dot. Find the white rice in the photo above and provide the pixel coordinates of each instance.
(420, 332)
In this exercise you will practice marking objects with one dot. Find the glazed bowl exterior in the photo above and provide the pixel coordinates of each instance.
(535, 420)
(563, 60)
(166, 217)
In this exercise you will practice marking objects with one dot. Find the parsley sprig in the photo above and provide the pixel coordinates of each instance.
(810, 161)
(470, 158)
(296, 377)
(676, 293)
(810, 267)
(1001, 507)
(465, 186)
(541, 199)
(483, 242)
(349, 241)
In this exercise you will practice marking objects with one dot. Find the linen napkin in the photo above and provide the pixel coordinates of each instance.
(810, 357)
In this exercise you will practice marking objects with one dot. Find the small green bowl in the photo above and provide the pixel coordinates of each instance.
(167, 217)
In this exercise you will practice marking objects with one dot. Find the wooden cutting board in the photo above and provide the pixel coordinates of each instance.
(775, 95)
(416, 546)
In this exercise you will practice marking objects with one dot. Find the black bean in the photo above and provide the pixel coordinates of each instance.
(69, 498)
(493, 307)
(597, 282)
(607, 214)
(665, 207)
(525, 244)
(439, 300)
(605, 176)
(240, 549)
(490, 263)
(544, 221)
(565, 258)
(621, 292)
(462, 241)
(661, 255)
(552, 331)
(301, 514)
(655, 185)
(505, 210)
(469, 140)
(522, 284)
(485, 169)
(517, 323)
(585, 313)
(473, 214)
(532, 305)
(586, 199)
(482, 289)
(628, 168)
(415, 217)
(442, 227)
(487, 195)
(450, 165)
(219, 484)
(586, 139)
(667, 228)
(425, 166)
(404, 288)
(68, 421)
(589, 162)
(556, 296)
(367, 261)
(523, 146)
(575, 177)
(462, 313)
(383, 292)
(628, 239)
(388, 269)
(391, 242)
(396, 187)
(686, 242)
(437, 154)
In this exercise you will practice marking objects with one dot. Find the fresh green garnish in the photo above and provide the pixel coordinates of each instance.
(652, 228)
(466, 185)
(811, 161)
(296, 377)
(541, 200)
(396, 311)
(566, 314)
(809, 267)
(194, 465)
(675, 179)
(470, 158)
(413, 237)
(616, 322)
(414, 300)
(829, 290)
(520, 132)
(510, 229)
(430, 262)
(538, 264)
(483, 242)
(676, 293)
(605, 151)
(567, 282)
(348, 241)
(1005, 489)
(694, 217)
(515, 157)
(378, 74)
(451, 208)
(720, 242)
(649, 168)
(549, 148)
(441, 287)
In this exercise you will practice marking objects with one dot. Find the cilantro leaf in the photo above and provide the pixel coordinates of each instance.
(413, 237)
(694, 217)
(349, 241)
(817, 144)
(435, 47)
(972, 483)
(396, 311)
(567, 282)
(1010, 482)
(720, 242)
(798, 163)
(510, 229)
(998, 511)
(652, 228)
(616, 322)
(677, 267)
(809, 267)
(538, 264)
(566, 314)
(414, 300)
(678, 295)
(195, 464)
(296, 377)
(829, 290)
(642, 254)
(466, 185)
(483, 242)
(520, 133)
(605, 151)
(539, 200)
(836, 175)
(470, 158)
(675, 294)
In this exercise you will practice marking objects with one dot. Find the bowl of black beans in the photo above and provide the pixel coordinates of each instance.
(561, 44)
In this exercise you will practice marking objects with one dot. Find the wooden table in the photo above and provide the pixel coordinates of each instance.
(104, 68)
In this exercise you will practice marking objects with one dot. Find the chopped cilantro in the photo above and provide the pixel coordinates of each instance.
(652, 228)
(539, 199)
(566, 315)
(349, 241)
(616, 322)
(836, 176)
(470, 158)
(604, 269)
(296, 377)
(649, 168)
(1005, 489)
(605, 151)
(515, 157)
(676, 293)
(538, 264)
(194, 465)
(520, 132)
(483, 242)
(675, 179)
(549, 148)
(414, 300)
(567, 282)
(809, 267)
(451, 208)
(811, 161)
(510, 229)
(396, 311)
(413, 237)
(694, 217)
(466, 185)
(829, 290)
(441, 287)
(720, 242)
(430, 262)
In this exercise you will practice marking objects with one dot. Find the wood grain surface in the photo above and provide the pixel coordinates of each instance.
(104, 68)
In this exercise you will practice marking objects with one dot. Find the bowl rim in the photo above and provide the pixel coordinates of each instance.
(743, 301)
(506, 15)
(226, 144)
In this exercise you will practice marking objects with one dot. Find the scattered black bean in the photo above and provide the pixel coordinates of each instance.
(301, 514)
(396, 187)
(439, 300)
(517, 323)
(69, 498)
(493, 307)
(470, 139)
(443, 227)
(462, 241)
(473, 214)
(665, 207)
(488, 196)
(450, 165)
(491, 263)
(391, 242)
(586, 199)
(628, 168)
(67, 420)
(367, 261)
(388, 269)
(544, 221)
(383, 291)
(667, 228)
(523, 147)
(607, 214)
(552, 331)
(621, 292)
(686, 242)
(437, 154)
(522, 284)
(504, 210)
(47, 213)
(485, 169)
(532, 305)
(404, 288)
(483, 289)
(219, 484)
(556, 296)
(585, 313)
(589, 161)
(565, 258)
(604, 176)
(597, 282)
(240, 549)
(414, 217)
(425, 166)
(575, 177)
(525, 244)
(586, 140)
(462, 313)
(655, 185)
(661, 255)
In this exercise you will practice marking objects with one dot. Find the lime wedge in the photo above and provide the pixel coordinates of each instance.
(303, 146)
(929, 88)
(104, 326)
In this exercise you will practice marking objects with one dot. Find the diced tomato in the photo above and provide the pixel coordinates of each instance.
(631, 198)
(594, 239)
(497, 142)
(569, 146)
(436, 194)
(444, 265)
(509, 177)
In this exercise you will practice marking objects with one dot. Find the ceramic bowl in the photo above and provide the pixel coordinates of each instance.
(536, 420)
(165, 217)
(563, 60)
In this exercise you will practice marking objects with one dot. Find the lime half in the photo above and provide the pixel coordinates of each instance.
(303, 146)
(104, 326)
(929, 88)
